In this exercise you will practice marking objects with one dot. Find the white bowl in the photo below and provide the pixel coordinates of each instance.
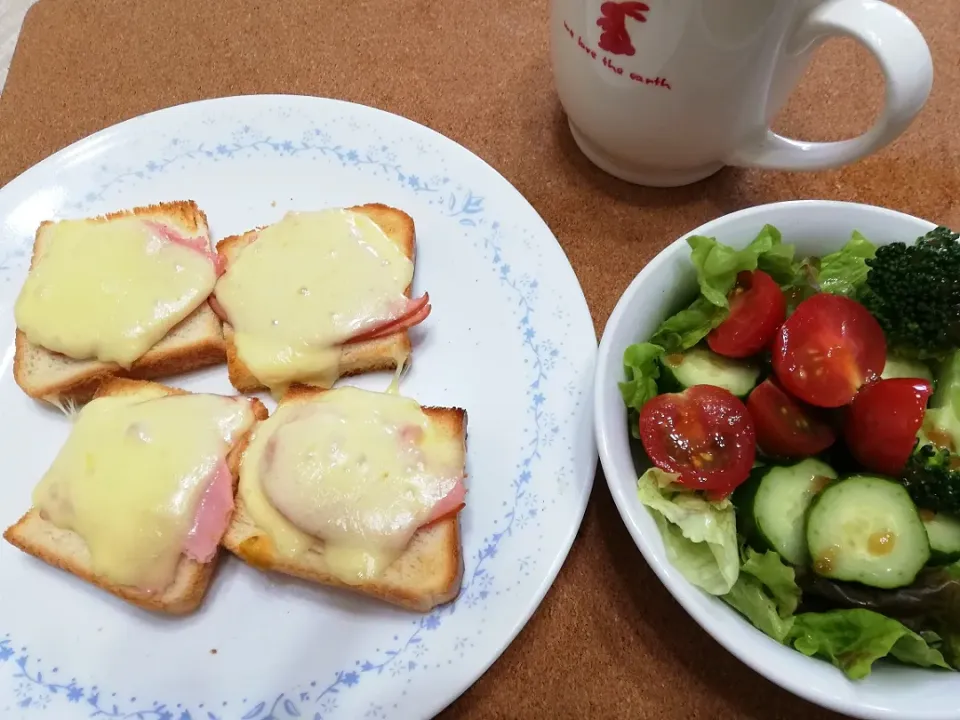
(664, 286)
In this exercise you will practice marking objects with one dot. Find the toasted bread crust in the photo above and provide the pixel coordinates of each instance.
(357, 358)
(185, 212)
(164, 359)
(66, 550)
(196, 342)
(430, 571)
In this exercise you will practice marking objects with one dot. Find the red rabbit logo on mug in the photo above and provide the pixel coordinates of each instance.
(613, 21)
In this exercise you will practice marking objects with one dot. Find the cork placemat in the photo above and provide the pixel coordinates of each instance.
(608, 641)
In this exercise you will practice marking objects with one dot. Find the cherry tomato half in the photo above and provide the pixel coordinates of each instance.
(757, 307)
(882, 423)
(785, 427)
(703, 434)
(827, 350)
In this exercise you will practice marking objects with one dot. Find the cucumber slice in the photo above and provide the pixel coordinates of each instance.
(866, 529)
(773, 504)
(700, 366)
(899, 368)
(943, 531)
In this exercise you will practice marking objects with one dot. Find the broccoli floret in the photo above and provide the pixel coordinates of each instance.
(932, 477)
(914, 293)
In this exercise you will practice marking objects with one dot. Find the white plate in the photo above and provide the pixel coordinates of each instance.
(510, 339)
(668, 283)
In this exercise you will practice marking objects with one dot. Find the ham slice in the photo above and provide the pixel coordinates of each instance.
(218, 308)
(415, 312)
(200, 243)
(450, 504)
(453, 501)
(213, 516)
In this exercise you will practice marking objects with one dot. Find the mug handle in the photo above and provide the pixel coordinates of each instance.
(907, 68)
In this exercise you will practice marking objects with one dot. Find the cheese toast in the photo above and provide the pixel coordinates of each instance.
(66, 549)
(427, 574)
(357, 358)
(194, 343)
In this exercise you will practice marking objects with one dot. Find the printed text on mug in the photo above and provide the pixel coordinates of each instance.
(609, 63)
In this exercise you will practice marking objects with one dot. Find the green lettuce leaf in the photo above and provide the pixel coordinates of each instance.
(803, 284)
(950, 646)
(700, 537)
(930, 603)
(641, 371)
(689, 326)
(778, 578)
(844, 271)
(853, 640)
(773, 257)
(766, 593)
(718, 265)
(840, 273)
(915, 649)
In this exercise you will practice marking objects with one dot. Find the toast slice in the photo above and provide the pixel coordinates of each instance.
(66, 550)
(429, 572)
(357, 358)
(194, 343)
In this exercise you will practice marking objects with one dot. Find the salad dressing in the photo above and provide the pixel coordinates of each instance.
(824, 564)
(881, 543)
(819, 483)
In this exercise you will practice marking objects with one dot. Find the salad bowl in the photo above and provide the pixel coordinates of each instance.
(666, 285)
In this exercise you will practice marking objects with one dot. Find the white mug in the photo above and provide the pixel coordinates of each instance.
(666, 92)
